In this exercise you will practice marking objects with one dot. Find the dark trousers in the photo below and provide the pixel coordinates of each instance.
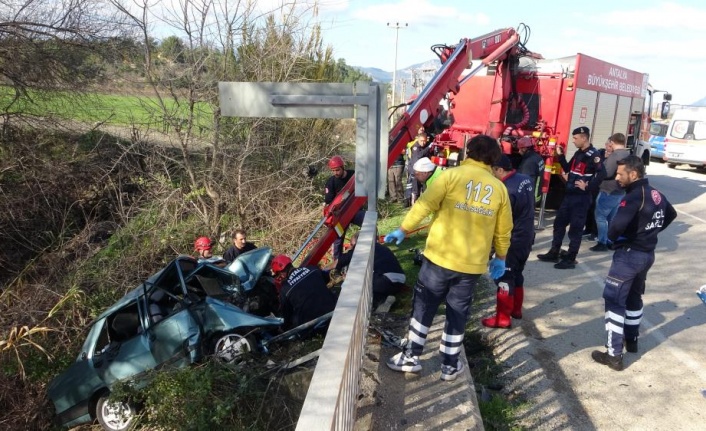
(572, 213)
(622, 293)
(395, 182)
(338, 243)
(434, 285)
(515, 262)
(382, 288)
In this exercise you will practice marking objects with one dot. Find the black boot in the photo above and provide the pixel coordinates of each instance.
(631, 346)
(567, 262)
(613, 362)
(551, 256)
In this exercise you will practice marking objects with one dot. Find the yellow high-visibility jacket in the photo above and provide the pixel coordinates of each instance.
(471, 212)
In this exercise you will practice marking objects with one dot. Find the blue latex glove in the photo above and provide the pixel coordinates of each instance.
(496, 268)
(397, 236)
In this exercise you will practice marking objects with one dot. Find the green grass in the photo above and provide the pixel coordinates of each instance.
(95, 107)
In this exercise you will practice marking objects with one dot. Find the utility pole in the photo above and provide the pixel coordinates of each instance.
(397, 26)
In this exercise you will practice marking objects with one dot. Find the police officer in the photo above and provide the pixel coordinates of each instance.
(531, 164)
(511, 291)
(585, 172)
(303, 295)
(471, 213)
(642, 214)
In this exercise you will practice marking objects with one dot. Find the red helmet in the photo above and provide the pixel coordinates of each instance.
(525, 142)
(202, 243)
(335, 162)
(280, 263)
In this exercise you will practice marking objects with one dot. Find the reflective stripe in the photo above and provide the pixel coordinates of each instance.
(452, 338)
(612, 327)
(633, 313)
(633, 322)
(419, 327)
(413, 337)
(617, 318)
(449, 350)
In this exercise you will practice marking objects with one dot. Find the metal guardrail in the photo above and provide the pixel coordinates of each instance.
(330, 402)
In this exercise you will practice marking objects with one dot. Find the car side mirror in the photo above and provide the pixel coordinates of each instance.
(664, 111)
(84, 356)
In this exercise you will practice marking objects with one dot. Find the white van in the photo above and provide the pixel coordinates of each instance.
(685, 142)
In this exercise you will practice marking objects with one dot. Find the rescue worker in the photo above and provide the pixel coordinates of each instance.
(642, 214)
(204, 253)
(610, 193)
(240, 246)
(388, 276)
(531, 164)
(471, 212)
(340, 176)
(303, 295)
(584, 173)
(425, 171)
(511, 291)
(419, 149)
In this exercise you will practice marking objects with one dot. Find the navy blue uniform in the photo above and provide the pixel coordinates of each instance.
(642, 214)
(333, 186)
(521, 191)
(388, 276)
(532, 165)
(585, 165)
(304, 296)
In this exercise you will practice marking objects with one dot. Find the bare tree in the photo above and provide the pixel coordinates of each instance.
(46, 45)
(237, 170)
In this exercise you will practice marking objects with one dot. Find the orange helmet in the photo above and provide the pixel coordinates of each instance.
(280, 263)
(525, 142)
(202, 243)
(335, 162)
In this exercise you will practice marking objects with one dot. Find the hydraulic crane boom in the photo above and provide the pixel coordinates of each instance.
(490, 47)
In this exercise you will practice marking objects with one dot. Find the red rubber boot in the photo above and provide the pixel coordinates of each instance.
(501, 319)
(517, 306)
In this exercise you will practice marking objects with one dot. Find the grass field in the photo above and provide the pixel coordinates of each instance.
(109, 108)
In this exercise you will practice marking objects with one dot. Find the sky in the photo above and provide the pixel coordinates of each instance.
(666, 39)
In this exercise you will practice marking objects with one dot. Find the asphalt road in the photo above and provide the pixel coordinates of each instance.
(547, 354)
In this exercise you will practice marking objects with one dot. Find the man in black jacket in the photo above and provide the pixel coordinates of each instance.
(642, 214)
(240, 246)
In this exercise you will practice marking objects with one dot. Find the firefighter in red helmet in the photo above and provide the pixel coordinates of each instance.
(204, 251)
(340, 176)
(303, 295)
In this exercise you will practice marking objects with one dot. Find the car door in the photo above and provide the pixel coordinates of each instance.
(128, 355)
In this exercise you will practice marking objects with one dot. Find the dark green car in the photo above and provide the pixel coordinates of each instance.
(178, 316)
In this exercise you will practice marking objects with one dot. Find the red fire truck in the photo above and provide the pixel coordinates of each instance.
(546, 100)
(493, 85)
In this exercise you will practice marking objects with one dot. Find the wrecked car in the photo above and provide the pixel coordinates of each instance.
(177, 317)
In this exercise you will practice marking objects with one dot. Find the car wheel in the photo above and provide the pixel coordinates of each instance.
(114, 415)
(672, 165)
(231, 348)
(645, 158)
